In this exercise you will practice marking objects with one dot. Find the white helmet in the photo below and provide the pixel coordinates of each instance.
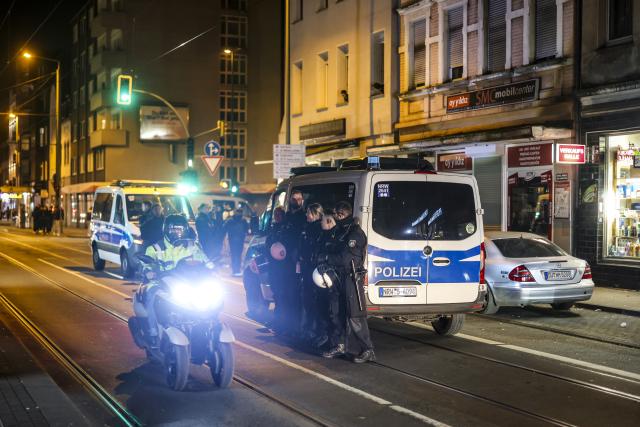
(278, 251)
(322, 280)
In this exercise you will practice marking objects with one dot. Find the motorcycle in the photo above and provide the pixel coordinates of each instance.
(187, 309)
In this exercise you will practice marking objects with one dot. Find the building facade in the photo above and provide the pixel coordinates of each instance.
(486, 88)
(608, 198)
(145, 140)
(342, 64)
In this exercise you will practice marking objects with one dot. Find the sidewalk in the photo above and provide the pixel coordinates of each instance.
(28, 395)
(81, 233)
(613, 300)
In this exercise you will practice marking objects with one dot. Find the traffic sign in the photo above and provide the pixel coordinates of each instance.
(212, 148)
(212, 163)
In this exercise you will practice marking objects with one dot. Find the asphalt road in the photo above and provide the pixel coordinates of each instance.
(578, 368)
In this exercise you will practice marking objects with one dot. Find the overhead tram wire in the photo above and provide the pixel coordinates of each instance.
(182, 44)
(6, 16)
(36, 93)
(44, 21)
(26, 82)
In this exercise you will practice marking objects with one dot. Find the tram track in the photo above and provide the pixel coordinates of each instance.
(93, 386)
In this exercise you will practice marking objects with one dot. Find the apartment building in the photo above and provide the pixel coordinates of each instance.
(608, 193)
(342, 64)
(486, 88)
(145, 140)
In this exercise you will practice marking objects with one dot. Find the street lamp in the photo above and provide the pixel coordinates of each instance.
(28, 55)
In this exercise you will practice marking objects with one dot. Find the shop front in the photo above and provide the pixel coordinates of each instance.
(77, 200)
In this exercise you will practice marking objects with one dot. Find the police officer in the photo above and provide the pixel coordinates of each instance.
(312, 325)
(205, 228)
(151, 230)
(345, 256)
(236, 228)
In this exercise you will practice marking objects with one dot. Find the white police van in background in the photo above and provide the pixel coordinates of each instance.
(115, 231)
(425, 254)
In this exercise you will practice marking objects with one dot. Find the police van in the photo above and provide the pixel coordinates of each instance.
(425, 254)
(117, 208)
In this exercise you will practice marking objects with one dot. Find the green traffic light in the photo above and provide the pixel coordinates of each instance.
(124, 89)
(234, 189)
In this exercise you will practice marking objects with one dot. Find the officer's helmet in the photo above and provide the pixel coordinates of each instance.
(324, 277)
(278, 251)
(175, 228)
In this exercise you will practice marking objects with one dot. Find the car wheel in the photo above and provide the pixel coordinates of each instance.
(564, 306)
(125, 265)
(448, 325)
(98, 263)
(490, 307)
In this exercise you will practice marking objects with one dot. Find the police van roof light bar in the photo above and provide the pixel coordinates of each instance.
(387, 163)
(142, 183)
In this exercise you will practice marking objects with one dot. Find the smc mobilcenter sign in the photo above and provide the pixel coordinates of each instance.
(494, 96)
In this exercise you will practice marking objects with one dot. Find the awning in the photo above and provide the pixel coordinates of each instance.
(83, 187)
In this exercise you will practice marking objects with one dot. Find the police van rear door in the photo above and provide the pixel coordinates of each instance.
(424, 243)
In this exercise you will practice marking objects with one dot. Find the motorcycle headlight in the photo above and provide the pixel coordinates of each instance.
(201, 297)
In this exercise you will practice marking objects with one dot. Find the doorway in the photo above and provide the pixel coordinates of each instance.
(529, 201)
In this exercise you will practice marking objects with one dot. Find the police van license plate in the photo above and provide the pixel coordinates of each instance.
(398, 292)
(558, 275)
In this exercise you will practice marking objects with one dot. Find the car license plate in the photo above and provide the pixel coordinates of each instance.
(558, 275)
(398, 292)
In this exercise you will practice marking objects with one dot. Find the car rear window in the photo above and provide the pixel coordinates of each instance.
(419, 210)
(521, 247)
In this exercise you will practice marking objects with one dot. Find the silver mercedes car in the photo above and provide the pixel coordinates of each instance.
(525, 268)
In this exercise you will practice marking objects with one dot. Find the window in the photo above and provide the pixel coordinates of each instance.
(91, 87)
(234, 173)
(496, 35)
(75, 99)
(233, 31)
(528, 248)
(545, 29)
(418, 35)
(75, 68)
(233, 106)
(116, 39)
(377, 64)
(296, 88)
(83, 63)
(102, 5)
(620, 20)
(102, 80)
(236, 74)
(322, 5)
(81, 95)
(102, 207)
(73, 166)
(75, 33)
(342, 63)
(99, 159)
(115, 72)
(296, 10)
(118, 216)
(240, 5)
(41, 137)
(102, 119)
(327, 194)
(81, 164)
(102, 42)
(90, 162)
(234, 144)
(116, 119)
(82, 129)
(171, 205)
(322, 81)
(449, 213)
(454, 43)
(116, 4)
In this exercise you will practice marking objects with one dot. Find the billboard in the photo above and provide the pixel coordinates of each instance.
(160, 123)
(493, 96)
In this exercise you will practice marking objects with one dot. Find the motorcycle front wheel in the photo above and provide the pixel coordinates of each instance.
(222, 365)
(177, 367)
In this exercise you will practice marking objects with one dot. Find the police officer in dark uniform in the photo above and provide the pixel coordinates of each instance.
(345, 256)
(236, 228)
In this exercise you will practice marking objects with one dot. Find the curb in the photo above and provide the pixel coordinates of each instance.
(607, 309)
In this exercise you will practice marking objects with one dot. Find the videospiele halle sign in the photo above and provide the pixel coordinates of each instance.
(493, 96)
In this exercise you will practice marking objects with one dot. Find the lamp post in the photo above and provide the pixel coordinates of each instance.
(57, 180)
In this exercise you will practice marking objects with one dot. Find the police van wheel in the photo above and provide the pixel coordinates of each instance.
(448, 325)
(98, 263)
(125, 265)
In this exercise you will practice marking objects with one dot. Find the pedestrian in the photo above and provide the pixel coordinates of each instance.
(236, 229)
(57, 221)
(312, 324)
(151, 229)
(48, 219)
(36, 219)
(217, 228)
(345, 256)
(205, 228)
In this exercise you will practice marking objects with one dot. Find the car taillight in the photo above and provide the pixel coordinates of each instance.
(521, 274)
(483, 256)
(587, 272)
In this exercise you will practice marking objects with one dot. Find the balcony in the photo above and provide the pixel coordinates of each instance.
(108, 138)
(106, 20)
(107, 59)
(102, 98)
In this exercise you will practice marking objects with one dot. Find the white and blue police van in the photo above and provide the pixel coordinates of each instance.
(425, 253)
(117, 208)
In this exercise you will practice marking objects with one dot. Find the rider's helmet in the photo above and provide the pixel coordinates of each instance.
(324, 276)
(175, 228)
(278, 251)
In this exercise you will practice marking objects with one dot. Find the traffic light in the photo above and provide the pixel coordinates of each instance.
(190, 152)
(221, 127)
(125, 88)
(234, 188)
(188, 181)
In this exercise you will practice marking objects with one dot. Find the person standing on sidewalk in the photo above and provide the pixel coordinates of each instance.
(236, 228)
(58, 216)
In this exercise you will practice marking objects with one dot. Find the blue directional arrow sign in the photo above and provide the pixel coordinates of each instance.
(212, 148)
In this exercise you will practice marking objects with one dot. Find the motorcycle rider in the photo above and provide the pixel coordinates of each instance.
(177, 244)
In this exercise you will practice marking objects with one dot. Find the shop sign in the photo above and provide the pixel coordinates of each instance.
(625, 157)
(562, 176)
(570, 153)
(451, 162)
(493, 96)
(530, 155)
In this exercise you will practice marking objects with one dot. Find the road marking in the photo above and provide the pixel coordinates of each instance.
(357, 391)
(41, 250)
(568, 360)
(53, 244)
(80, 276)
